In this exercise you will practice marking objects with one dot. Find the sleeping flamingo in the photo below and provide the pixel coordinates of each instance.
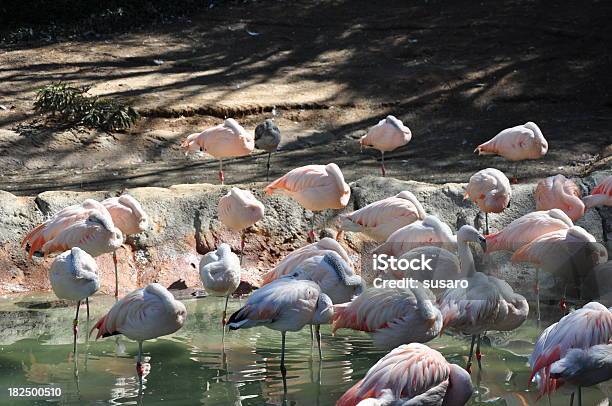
(429, 231)
(386, 136)
(393, 316)
(227, 140)
(288, 264)
(315, 187)
(129, 217)
(516, 144)
(586, 327)
(382, 218)
(558, 192)
(141, 315)
(490, 190)
(267, 138)
(286, 304)
(74, 276)
(412, 374)
(239, 210)
(220, 274)
(601, 195)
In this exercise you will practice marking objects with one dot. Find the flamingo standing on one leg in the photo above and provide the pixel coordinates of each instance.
(295, 258)
(220, 274)
(382, 218)
(386, 136)
(287, 304)
(412, 374)
(227, 140)
(394, 316)
(238, 210)
(74, 276)
(516, 144)
(267, 138)
(490, 190)
(141, 315)
(582, 329)
(601, 195)
(129, 217)
(315, 187)
(558, 192)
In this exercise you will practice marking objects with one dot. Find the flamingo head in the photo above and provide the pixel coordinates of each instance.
(324, 310)
(468, 233)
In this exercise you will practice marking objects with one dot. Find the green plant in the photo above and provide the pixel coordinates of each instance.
(74, 106)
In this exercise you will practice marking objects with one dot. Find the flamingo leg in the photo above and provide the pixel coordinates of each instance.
(468, 367)
(514, 179)
(116, 275)
(311, 336)
(224, 320)
(282, 366)
(139, 368)
(242, 239)
(572, 399)
(382, 163)
(318, 333)
(221, 176)
(311, 233)
(75, 326)
(478, 354)
(87, 303)
(486, 223)
(268, 168)
(579, 396)
(537, 290)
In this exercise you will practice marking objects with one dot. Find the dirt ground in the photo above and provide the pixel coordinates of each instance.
(455, 72)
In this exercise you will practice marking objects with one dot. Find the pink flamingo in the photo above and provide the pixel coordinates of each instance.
(386, 136)
(414, 374)
(394, 316)
(315, 187)
(129, 217)
(382, 218)
(227, 140)
(582, 329)
(516, 144)
(287, 304)
(601, 194)
(239, 210)
(295, 258)
(558, 192)
(141, 315)
(429, 231)
(490, 190)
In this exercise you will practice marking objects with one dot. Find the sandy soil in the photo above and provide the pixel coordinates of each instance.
(455, 73)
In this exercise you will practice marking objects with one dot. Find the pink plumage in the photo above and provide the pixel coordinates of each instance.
(389, 134)
(517, 143)
(315, 187)
(127, 214)
(227, 140)
(239, 209)
(490, 190)
(558, 192)
(601, 194)
(411, 371)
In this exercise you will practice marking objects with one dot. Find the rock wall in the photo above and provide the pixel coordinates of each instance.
(185, 226)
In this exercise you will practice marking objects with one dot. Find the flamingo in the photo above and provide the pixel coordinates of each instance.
(582, 329)
(429, 231)
(74, 276)
(558, 192)
(490, 190)
(569, 253)
(382, 218)
(601, 194)
(143, 314)
(487, 303)
(286, 304)
(220, 274)
(238, 210)
(386, 136)
(584, 367)
(516, 144)
(129, 217)
(295, 258)
(415, 375)
(267, 138)
(227, 140)
(394, 316)
(315, 187)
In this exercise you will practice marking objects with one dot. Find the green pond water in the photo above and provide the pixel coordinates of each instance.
(193, 367)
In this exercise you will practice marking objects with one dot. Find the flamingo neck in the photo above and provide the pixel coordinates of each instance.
(466, 259)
